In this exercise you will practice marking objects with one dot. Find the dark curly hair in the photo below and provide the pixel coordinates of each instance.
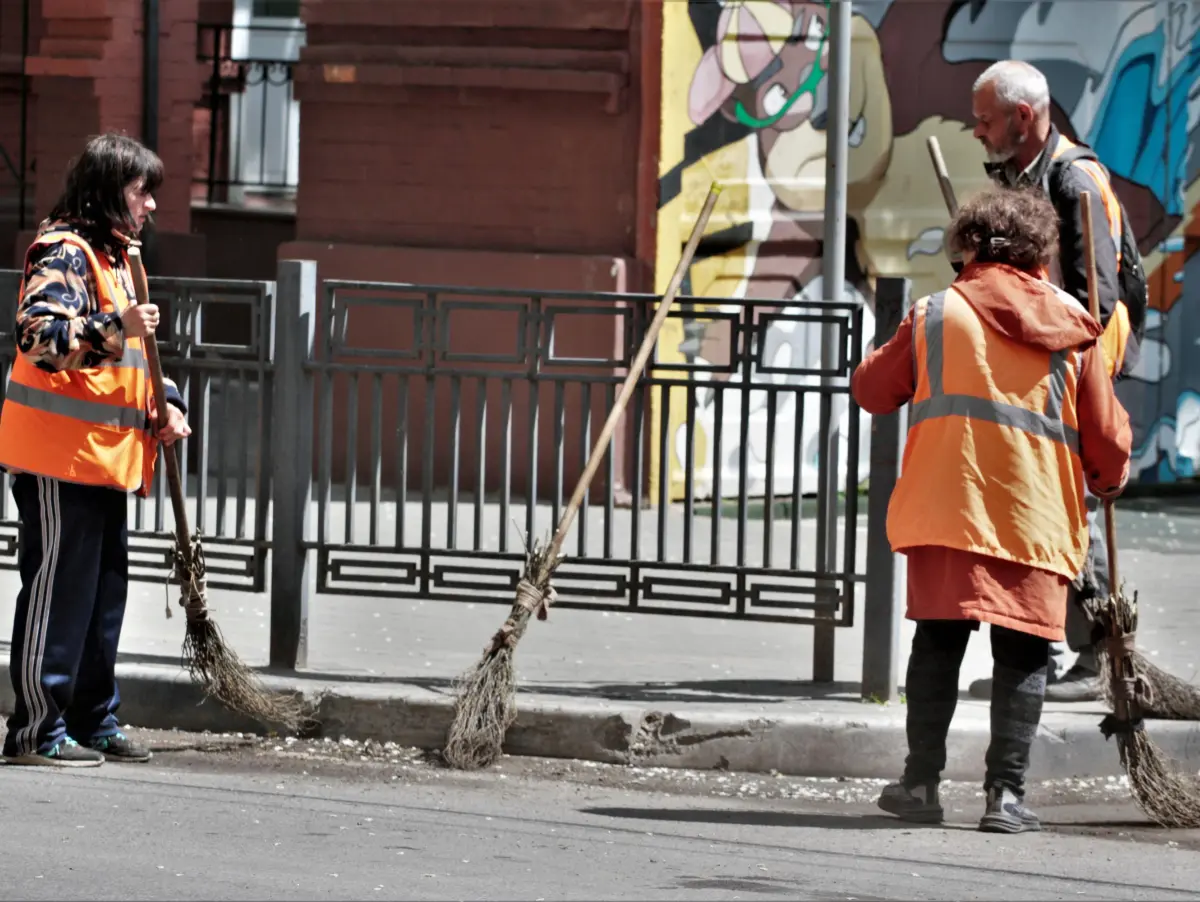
(94, 193)
(1006, 225)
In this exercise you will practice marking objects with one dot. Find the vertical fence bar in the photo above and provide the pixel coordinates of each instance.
(560, 428)
(350, 489)
(401, 460)
(850, 518)
(714, 456)
(532, 484)
(455, 460)
(639, 466)
(506, 432)
(797, 475)
(664, 468)
(769, 488)
(243, 441)
(885, 571)
(585, 442)
(610, 477)
(481, 461)
(689, 467)
(291, 472)
(222, 451)
(376, 455)
(205, 431)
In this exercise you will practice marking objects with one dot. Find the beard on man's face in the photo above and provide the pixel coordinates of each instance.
(1013, 139)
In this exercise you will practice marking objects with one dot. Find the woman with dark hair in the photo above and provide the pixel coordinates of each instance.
(77, 433)
(1012, 409)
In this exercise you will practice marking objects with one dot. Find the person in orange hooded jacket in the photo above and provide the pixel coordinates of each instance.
(1012, 412)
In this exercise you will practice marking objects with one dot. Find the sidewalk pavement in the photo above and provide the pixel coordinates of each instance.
(646, 689)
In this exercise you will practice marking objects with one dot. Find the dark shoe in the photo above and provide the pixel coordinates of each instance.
(67, 753)
(1076, 685)
(1007, 814)
(981, 689)
(120, 747)
(919, 804)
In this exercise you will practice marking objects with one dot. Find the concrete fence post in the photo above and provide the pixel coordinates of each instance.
(291, 464)
(885, 591)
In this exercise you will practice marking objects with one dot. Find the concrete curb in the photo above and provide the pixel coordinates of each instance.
(810, 738)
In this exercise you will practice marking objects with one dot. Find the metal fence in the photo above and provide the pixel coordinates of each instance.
(402, 441)
(253, 118)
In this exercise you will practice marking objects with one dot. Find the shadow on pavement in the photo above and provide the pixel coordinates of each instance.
(751, 818)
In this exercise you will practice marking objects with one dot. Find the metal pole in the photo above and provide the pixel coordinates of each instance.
(833, 268)
(23, 152)
(885, 571)
(150, 39)
(291, 477)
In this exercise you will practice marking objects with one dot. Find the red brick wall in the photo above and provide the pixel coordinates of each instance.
(477, 143)
(87, 78)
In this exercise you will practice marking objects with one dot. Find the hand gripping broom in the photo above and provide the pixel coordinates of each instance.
(485, 700)
(210, 661)
(1171, 698)
(1167, 796)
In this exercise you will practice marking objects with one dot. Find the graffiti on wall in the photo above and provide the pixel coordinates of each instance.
(744, 101)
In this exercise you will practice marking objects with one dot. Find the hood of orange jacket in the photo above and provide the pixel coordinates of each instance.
(1025, 308)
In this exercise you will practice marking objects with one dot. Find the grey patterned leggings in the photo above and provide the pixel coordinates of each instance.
(1018, 689)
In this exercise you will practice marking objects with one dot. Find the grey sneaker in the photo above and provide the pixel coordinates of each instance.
(918, 804)
(1007, 814)
(120, 747)
(67, 753)
(1076, 685)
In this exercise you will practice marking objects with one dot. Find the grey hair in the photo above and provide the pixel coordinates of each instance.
(1016, 82)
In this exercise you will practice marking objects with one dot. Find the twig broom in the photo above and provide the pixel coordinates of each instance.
(1167, 796)
(1172, 698)
(210, 661)
(485, 703)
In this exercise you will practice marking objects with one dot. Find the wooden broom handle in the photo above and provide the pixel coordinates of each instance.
(943, 174)
(141, 289)
(1093, 290)
(635, 373)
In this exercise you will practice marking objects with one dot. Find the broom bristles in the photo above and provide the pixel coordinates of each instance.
(223, 676)
(1166, 795)
(215, 667)
(485, 703)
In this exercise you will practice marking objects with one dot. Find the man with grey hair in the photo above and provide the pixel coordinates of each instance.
(1011, 106)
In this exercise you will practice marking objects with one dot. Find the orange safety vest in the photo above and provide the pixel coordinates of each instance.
(991, 463)
(1116, 333)
(89, 426)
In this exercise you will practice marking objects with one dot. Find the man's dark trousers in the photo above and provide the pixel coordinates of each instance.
(74, 580)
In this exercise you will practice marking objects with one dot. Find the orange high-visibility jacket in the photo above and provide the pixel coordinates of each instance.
(1116, 333)
(991, 463)
(89, 426)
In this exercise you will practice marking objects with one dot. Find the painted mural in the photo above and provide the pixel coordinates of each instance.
(744, 102)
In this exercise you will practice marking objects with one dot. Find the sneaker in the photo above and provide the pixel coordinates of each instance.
(918, 804)
(1007, 814)
(119, 747)
(1076, 685)
(67, 753)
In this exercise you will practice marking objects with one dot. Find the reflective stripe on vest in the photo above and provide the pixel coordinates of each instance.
(94, 412)
(1048, 424)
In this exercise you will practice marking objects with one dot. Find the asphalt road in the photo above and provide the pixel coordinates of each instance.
(223, 818)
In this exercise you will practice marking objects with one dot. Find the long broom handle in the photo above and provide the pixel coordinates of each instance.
(1093, 289)
(635, 373)
(943, 174)
(141, 288)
